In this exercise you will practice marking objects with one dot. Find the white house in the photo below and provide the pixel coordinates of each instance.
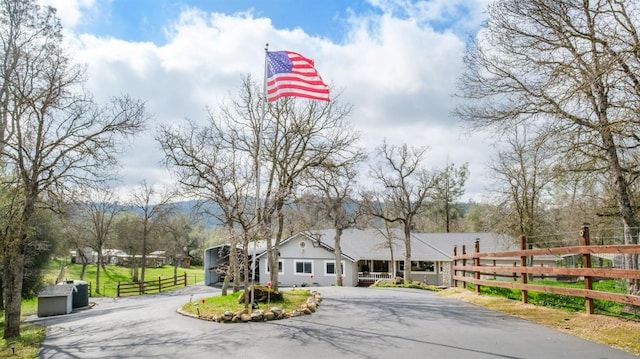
(307, 258)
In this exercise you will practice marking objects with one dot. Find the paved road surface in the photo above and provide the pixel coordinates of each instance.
(351, 323)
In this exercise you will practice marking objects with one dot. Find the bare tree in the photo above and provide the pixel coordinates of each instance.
(405, 186)
(334, 187)
(389, 242)
(570, 67)
(95, 218)
(251, 157)
(154, 208)
(76, 239)
(299, 136)
(128, 236)
(524, 170)
(54, 137)
(284, 140)
(178, 238)
(209, 168)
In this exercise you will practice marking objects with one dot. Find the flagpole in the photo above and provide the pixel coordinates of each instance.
(257, 168)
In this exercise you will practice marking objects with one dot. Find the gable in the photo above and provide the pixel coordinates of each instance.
(302, 246)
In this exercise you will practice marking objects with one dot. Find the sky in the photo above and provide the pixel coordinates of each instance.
(395, 61)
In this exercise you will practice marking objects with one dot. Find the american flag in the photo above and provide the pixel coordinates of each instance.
(291, 74)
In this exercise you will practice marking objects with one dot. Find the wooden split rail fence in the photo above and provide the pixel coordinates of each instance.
(152, 286)
(467, 269)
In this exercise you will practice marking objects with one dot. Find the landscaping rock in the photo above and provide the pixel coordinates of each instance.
(227, 316)
(257, 316)
(277, 311)
(245, 317)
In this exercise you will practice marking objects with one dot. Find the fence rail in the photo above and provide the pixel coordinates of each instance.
(472, 272)
(152, 286)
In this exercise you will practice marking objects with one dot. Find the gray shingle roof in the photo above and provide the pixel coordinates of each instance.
(59, 290)
(371, 243)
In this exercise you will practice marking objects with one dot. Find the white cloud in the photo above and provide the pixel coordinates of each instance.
(70, 12)
(397, 71)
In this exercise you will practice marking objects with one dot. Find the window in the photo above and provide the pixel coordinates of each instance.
(381, 266)
(330, 267)
(303, 267)
(280, 267)
(423, 266)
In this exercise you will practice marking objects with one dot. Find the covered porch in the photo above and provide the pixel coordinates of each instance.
(371, 270)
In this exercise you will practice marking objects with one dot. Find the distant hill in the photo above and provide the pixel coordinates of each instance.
(190, 208)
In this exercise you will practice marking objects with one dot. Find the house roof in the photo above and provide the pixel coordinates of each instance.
(260, 247)
(370, 243)
(489, 242)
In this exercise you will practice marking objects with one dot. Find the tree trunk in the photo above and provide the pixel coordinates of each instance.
(245, 265)
(276, 247)
(407, 252)
(144, 258)
(84, 260)
(338, 253)
(99, 264)
(13, 275)
(61, 274)
(225, 283)
(273, 251)
(393, 262)
(232, 268)
(134, 270)
(1, 292)
(84, 268)
(627, 212)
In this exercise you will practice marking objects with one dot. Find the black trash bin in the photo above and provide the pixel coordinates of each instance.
(80, 296)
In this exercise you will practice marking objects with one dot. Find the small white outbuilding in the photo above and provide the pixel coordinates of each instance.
(55, 300)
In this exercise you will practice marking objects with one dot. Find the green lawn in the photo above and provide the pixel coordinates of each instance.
(217, 305)
(110, 277)
(566, 302)
(28, 345)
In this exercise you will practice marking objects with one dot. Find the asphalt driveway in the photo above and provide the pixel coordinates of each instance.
(350, 323)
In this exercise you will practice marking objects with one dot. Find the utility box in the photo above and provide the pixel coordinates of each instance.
(55, 300)
(80, 296)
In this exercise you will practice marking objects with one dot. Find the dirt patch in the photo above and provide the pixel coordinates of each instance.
(616, 332)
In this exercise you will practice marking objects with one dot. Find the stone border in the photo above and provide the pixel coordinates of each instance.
(259, 315)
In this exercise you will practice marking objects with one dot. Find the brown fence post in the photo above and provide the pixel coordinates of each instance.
(586, 263)
(476, 263)
(455, 262)
(185, 279)
(523, 263)
(118, 289)
(494, 273)
(159, 284)
(464, 264)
